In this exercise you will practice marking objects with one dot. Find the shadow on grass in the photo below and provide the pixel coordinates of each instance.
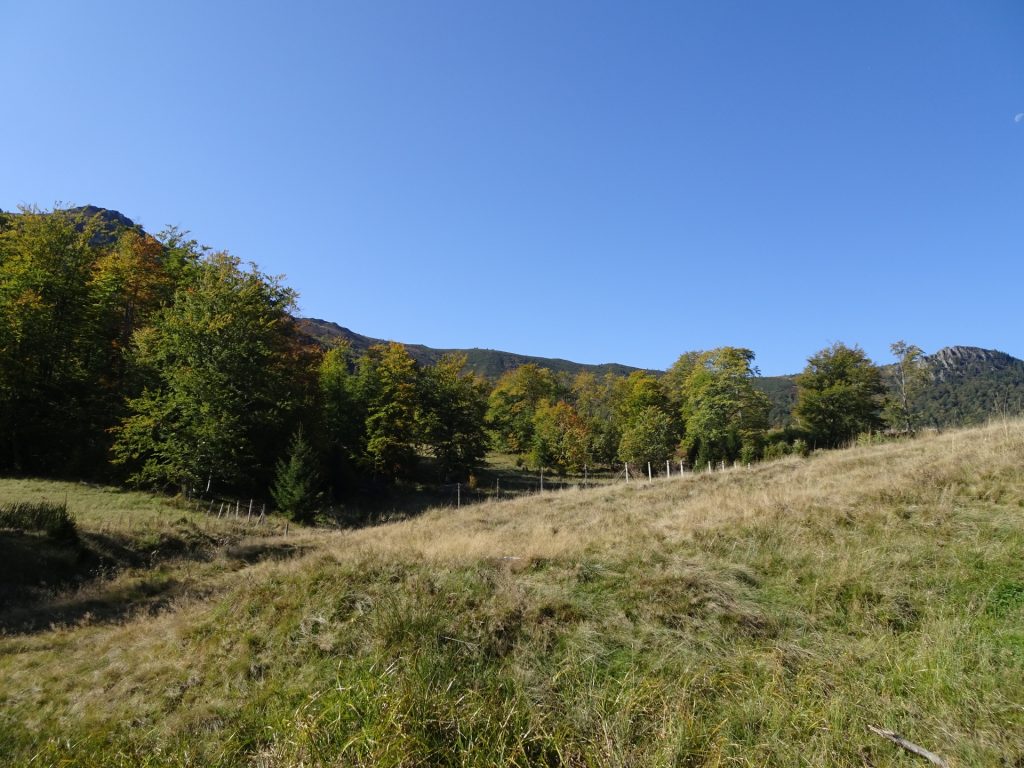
(376, 502)
(44, 582)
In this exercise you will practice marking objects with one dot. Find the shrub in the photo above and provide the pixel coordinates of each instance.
(871, 438)
(748, 453)
(39, 517)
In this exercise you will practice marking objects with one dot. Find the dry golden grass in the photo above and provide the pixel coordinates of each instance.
(757, 616)
(788, 493)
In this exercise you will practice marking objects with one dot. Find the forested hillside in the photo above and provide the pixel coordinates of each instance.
(157, 362)
(489, 363)
(968, 384)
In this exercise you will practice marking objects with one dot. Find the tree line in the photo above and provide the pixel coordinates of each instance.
(160, 363)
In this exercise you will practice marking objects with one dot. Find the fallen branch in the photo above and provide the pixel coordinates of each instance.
(898, 740)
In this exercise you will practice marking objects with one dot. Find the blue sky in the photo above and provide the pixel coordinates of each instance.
(596, 181)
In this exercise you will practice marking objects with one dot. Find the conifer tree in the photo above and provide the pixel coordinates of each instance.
(297, 480)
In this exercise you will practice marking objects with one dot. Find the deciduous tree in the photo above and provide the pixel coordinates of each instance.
(222, 375)
(389, 382)
(453, 408)
(596, 402)
(725, 416)
(839, 395)
(52, 349)
(910, 376)
(513, 403)
(560, 438)
(649, 435)
(342, 422)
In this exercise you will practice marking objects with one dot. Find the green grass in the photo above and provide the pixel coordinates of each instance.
(746, 618)
(38, 517)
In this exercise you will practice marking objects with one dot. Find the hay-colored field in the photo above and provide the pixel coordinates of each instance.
(753, 617)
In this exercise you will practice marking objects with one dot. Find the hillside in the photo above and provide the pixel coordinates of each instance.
(972, 384)
(761, 616)
(969, 384)
(489, 363)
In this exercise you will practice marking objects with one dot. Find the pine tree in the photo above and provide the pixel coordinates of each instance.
(297, 481)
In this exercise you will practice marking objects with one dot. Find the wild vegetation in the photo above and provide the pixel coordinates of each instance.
(763, 615)
(750, 612)
(155, 362)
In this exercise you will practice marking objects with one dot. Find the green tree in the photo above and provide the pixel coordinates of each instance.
(128, 285)
(675, 378)
(342, 422)
(725, 416)
(649, 435)
(513, 403)
(560, 438)
(453, 409)
(53, 410)
(839, 395)
(389, 383)
(596, 402)
(223, 375)
(910, 377)
(297, 480)
(638, 392)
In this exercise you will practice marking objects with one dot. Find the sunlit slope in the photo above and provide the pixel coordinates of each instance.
(759, 616)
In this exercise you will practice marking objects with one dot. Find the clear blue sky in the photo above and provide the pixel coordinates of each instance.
(589, 180)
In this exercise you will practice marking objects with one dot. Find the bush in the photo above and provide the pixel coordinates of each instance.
(871, 438)
(748, 454)
(39, 517)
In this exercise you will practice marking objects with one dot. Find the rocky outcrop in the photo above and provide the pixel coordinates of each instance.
(960, 362)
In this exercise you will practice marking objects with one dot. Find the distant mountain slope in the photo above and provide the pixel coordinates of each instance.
(781, 390)
(490, 363)
(971, 384)
(107, 224)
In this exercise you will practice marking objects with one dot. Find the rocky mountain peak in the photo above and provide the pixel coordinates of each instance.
(107, 224)
(964, 361)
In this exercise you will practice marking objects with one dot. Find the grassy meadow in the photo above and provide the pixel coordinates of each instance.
(759, 616)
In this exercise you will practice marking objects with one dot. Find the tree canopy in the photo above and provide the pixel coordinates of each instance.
(840, 395)
(221, 382)
(725, 415)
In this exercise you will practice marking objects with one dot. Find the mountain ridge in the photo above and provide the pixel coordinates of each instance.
(489, 363)
(969, 384)
(953, 360)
